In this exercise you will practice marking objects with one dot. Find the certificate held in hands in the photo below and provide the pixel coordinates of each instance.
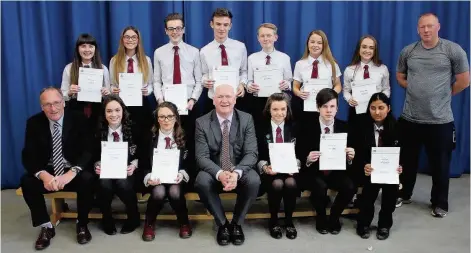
(268, 79)
(332, 148)
(362, 90)
(283, 157)
(114, 160)
(313, 86)
(177, 94)
(130, 85)
(165, 165)
(226, 75)
(90, 81)
(385, 161)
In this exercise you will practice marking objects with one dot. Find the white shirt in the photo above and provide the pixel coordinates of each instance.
(376, 133)
(111, 131)
(303, 69)
(274, 126)
(236, 56)
(323, 126)
(136, 70)
(161, 144)
(379, 74)
(190, 69)
(278, 60)
(65, 85)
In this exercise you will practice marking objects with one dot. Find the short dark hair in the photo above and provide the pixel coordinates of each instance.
(325, 95)
(222, 12)
(280, 96)
(174, 16)
(428, 14)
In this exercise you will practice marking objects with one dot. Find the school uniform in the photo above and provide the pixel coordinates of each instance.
(140, 115)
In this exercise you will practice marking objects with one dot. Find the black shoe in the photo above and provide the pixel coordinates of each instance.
(109, 226)
(335, 227)
(321, 226)
(382, 233)
(83, 234)
(224, 236)
(291, 232)
(129, 226)
(438, 212)
(237, 235)
(44, 238)
(275, 230)
(363, 232)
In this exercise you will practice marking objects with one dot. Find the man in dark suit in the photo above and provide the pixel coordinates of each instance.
(56, 158)
(226, 154)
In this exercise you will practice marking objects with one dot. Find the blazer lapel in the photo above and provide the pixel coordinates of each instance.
(66, 126)
(47, 133)
(269, 135)
(216, 128)
(234, 128)
(287, 133)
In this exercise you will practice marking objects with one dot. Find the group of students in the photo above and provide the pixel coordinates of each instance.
(278, 118)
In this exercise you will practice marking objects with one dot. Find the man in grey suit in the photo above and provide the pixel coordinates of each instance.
(226, 154)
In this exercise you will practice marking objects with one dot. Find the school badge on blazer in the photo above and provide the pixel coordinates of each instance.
(268, 138)
(132, 149)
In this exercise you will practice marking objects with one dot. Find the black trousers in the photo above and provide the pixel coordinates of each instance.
(337, 180)
(33, 190)
(438, 142)
(124, 189)
(367, 204)
(175, 195)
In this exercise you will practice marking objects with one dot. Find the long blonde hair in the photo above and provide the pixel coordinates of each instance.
(119, 59)
(326, 53)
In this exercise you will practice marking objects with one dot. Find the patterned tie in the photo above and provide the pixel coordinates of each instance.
(130, 65)
(380, 137)
(87, 110)
(226, 164)
(177, 76)
(315, 70)
(268, 60)
(279, 137)
(366, 73)
(224, 61)
(167, 143)
(115, 136)
(57, 158)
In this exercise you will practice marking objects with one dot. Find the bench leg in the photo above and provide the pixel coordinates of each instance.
(57, 209)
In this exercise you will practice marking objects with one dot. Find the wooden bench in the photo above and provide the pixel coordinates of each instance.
(59, 212)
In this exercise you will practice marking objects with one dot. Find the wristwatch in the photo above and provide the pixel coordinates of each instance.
(74, 170)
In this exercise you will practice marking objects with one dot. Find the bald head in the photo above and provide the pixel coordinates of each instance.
(224, 99)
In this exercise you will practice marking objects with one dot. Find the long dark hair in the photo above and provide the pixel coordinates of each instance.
(178, 133)
(389, 123)
(126, 122)
(356, 58)
(84, 38)
(280, 96)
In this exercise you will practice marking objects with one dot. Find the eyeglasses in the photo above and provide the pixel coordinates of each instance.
(56, 104)
(127, 37)
(172, 29)
(166, 118)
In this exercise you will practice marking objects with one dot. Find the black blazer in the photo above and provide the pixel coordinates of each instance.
(76, 141)
(148, 153)
(310, 141)
(265, 136)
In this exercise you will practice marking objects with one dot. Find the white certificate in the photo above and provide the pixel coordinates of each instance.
(268, 79)
(313, 86)
(283, 158)
(362, 90)
(332, 148)
(165, 165)
(177, 94)
(385, 161)
(130, 85)
(90, 81)
(226, 75)
(114, 159)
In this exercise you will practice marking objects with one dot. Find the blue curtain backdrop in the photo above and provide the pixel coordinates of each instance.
(38, 40)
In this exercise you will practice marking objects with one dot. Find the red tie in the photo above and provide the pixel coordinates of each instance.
(87, 110)
(366, 73)
(315, 71)
(268, 60)
(115, 136)
(130, 65)
(279, 138)
(224, 61)
(177, 76)
(167, 143)
(380, 137)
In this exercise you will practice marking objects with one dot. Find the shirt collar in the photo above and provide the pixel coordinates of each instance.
(166, 135)
(118, 130)
(331, 126)
(134, 57)
(274, 125)
(221, 119)
(378, 128)
(311, 59)
(89, 64)
(223, 43)
(266, 54)
(179, 45)
(60, 121)
(362, 64)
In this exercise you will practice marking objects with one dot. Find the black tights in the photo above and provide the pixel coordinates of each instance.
(176, 198)
(287, 190)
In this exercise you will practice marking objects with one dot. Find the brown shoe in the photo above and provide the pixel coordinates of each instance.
(185, 231)
(148, 234)
(44, 238)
